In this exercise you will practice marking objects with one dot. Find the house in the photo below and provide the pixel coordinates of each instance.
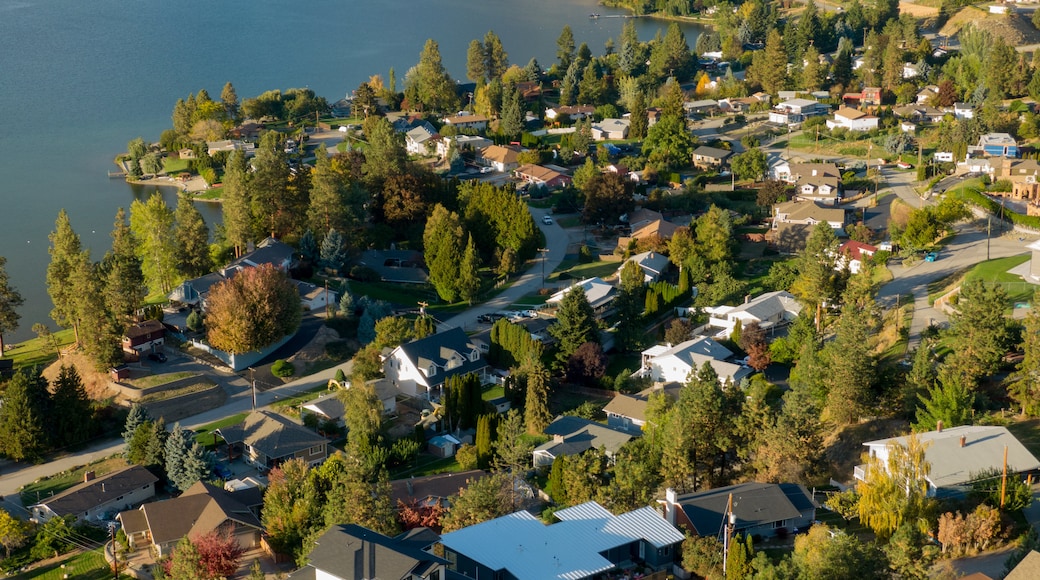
(817, 182)
(329, 407)
(598, 293)
(316, 297)
(500, 157)
(760, 509)
(610, 129)
(268, 439)
(193, 292)
(653, 115)
(247, 148)
(420, 140)
(963, 111)
(628, 412)
(1023, 176)
(405, 123)
(853, 120)
(853, 254)
(701, 107)
(474, 122)
(98, 498)
(919, 113)
(443, 446)
(998, 145)
(353, 552)
(574, 436)
(462, 143)
(652, 263)
(926, 95)
(401, 266)
(186, 153)
(640, 218)
(529, 90)
(143, 337)
(433, 489)
(673, 364)
(793, 222)
(705, 157)
(655, 232)
(907, 127)
(201, 509)
(1027, 569)
(542, 176)
(571, 112)
(586, 542)
(871, 96)
(270, 251)
(958, 454)
(767, 310)
(421, 367)
(796, 110)
(911, 70)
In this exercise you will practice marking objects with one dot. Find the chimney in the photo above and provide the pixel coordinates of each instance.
(747, 298)
(670, 505)
(88, 476)
(102, 487)
(964, 440)
(938, 426)
(557, 438)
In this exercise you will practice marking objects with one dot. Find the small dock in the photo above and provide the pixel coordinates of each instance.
(116, 174)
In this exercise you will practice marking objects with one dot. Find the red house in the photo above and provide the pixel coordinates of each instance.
(144, 337)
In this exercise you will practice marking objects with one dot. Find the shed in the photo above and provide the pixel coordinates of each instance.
(443, 445)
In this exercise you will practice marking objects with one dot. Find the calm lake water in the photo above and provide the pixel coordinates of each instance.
(79, 79)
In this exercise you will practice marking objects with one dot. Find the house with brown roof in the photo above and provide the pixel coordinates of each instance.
(572, 112)
(432, 489)
(501, 158)
(819, 182)
(794, 220)
(144, 337)
(268, 439)
(475, 122)
(871, 96)
(852, 254)
(852, 120)
(98, 498)
(654, 233)
(543, 176)
(200, 510)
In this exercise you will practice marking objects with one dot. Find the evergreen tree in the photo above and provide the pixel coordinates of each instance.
(100, 338)
(1025, 389)
(23, 417)
(575, 323)
(629, 305)
(333, 254)
(920, 379)
(639, 121)
(291, 511)
(817, 280)
(192, 239)
(236, 203)
(741, 553)
(155, 450)
(469, 273)
(496, 61)
(178, 444)
(194, 466)
(134, 419)
(949, 401)
(71, 408)
(229, 98)
(769, 67)
(536, 403)
(851, 365)
(483, 442)
(65, 250)
(10, 300)
(433, 88)
(124, 281)
(327, 208)
(978, 331)
(476, 67)
(565, 47)
(152, 223)
(442, 240)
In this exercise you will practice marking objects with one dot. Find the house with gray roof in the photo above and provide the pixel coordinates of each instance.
(588, 541)
(98, 498)
(1027, 569)
(762, 509)
(705, 157)
(353, 552)
(401, 266)
(421, 367)
(767, 310)
(958, 454)
(201, 509)
(329, 407)
(269, 251)
(610, 129)
(598, 293)
(268, 439)
(574, 436)
(674, 363)
(653, 264)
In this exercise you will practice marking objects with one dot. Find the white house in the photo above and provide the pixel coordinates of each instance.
(911, 70)
(419, 141)
(673, 364)
(598, 293)
(475, 122)
(925, 95)
(420, 368)
(853, 120)
(853, 254)
(956, 454)
(613, 129)
(316, 297)
(573, 112)
(98, 498)
(574, 436)
(501, 158)
(462, 143)
(819, 182)
(963, 111)
(652, 263)
(795, 111)
(768, 310)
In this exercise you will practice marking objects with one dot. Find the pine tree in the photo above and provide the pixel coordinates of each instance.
(476, 68)
(536, 405)
(950, 401)
(194, 467)
(177, 446)
(629, 305)
(65, 250)
(575, 323)
(71, 408)
(23, 417)
(152, 223)
(137, 415)
(850, 365)
(565, 47)
(229, 98)
(333, 254)
(124, 281)
(483, 442)
(236, 203)
(469, 273)
(192, 239)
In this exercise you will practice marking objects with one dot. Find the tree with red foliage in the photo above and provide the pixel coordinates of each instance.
(219, 553)
(587, 364)
(417, 515)
(753, 342)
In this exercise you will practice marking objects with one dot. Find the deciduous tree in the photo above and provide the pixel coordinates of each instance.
(895, 489)
(252, 310)
(607, 197)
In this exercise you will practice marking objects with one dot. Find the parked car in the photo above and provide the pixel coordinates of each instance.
(547, 220)
(931, 257)
(486, 169)
(157, 357)
(904, 165)
(223, 471)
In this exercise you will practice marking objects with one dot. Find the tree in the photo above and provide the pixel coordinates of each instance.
(950, 401)
(442, 240)
(750, 164)
(702, 556)
(13, 533)
(536, 406)
(332, 253)
(629, 304)
(587, 364)
(485, 499)
(229, 98)
(895, 489)
(769, 67)
(978, 331)
(71, 408)
(738, 561)
(192, 239)
(753, 342)
(679, 330)
(496, 61)
(236, 204)
(152, 223)
(817, 280)
(469, 273)
(429, 82)
(476, 68)
(565, 47)
(671, 57)
(65, 250)
(363, 412)
(714, 232)
(850, 365)
(137, 416)
(252, 310)
(185, 563)
(23, 417)
(821, 553)
(770, 193)
(668, 144)
(10, 300)
(291, 512)
(271, 200)
(512, 449)
(639, 120)
(575, 323)
(392, 331)
(1025, 390)
(607, 197)
(219, 553)
(124, 281)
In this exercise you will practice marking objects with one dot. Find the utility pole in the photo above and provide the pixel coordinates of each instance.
(989, 230)
(543, 251)
(115, 555)
(326, 298)
(1003, 480)
(730, 520)
(252, 386)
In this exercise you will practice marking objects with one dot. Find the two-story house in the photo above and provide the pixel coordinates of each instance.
(353, 552)
(474, 122)
(852, 120)
(667, 363)
(421, 367)
(144, 337)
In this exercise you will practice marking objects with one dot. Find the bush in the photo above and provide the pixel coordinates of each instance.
(585, 255)
(364, 274)
(467, 457)
(195, 323)
(283, 369)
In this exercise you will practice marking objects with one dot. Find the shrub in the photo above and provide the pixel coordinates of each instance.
(195, 323)
(364, 274)
(282, 369)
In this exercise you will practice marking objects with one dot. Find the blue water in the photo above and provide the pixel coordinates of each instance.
(78, 79)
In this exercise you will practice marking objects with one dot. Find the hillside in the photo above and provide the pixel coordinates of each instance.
(1015, 29)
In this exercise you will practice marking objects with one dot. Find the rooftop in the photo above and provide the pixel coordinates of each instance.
(272, 434)
(754, 504)
(100, 491)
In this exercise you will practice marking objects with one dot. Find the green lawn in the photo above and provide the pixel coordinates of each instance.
(493, 393)
(82, 566)
(204, 434)
(990, 272)
(59, 482)
(569, 222)
(531, 300)
(427, 465)
(171, 165)
(39, 352)
(582, 271)
(161, 379)
(310, 395)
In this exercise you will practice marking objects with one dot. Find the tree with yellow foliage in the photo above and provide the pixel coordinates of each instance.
(895, 489)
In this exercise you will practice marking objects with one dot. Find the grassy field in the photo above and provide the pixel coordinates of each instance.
(493, 393)
(990, 272)
(427, 465)
(82, 566)
(40, 352)
(171, 165)
(577, 271)
(59, 482)
(161, 379)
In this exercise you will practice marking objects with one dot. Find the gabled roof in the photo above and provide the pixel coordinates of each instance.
(611, 125)
(626, 406)
(850, 114)
(659, 228)
(499, 154)
(701, 345)
(464, 119)
(352, 551)
(642, 216)
(270, 251)
(98, 492)
(539, 173)
(568, 550)
(799, 211)
(580, 435)
(1027, 569)
(199, 510)
(983, 449)
(440, 486)
(856, 249)
(272, 434)
(419, 135)
(754, 504)
(650, 262)
(596, 290)
(712, 152)
(144, 329)
(439, 349)
(770, 304)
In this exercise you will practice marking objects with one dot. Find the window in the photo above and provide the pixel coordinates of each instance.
(780, 524)
(316, 449)
(431, 371)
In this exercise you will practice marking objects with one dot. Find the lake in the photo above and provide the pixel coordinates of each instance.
(80, 79)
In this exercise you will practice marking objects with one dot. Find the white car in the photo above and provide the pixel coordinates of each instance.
(547, 220)
(486, 169)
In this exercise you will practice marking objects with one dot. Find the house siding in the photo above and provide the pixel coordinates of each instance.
(312, 458)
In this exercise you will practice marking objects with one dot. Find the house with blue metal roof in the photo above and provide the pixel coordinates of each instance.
(998, 145)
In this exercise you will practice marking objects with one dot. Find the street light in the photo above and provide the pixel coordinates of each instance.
(543, 252)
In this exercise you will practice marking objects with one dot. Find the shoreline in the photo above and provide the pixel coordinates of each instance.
(705, 22)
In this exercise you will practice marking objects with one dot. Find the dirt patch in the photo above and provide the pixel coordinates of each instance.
(94, 382)
(899, 213)
(843, 449)
(917, 10)
(1015, 29)
(315, 349)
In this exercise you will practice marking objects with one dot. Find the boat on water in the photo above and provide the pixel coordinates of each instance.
(593, 16)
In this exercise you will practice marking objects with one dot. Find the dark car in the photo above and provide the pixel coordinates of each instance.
(223, 471)
(157, 357)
